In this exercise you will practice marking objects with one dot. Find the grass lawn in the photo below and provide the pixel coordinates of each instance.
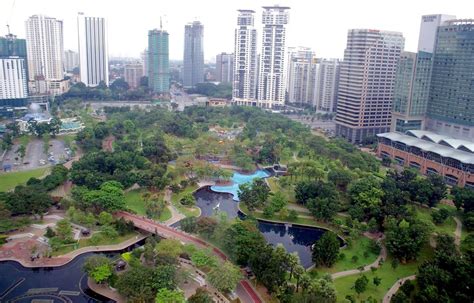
(344, 286)
(9, 180)
(358, 247)
(134, 201)
(86, 242)
(187, 211)
(289, 193)
(24, 139)
(448, 227)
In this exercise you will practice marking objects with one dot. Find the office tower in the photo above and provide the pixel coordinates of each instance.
(144, 61)
(158, 61)
(71, 60)
(412, 81)
(225, 68)
(44, 45)
(451, 101)
(193, 60)
(13, 72)
(93, 50)
(366, 82)
(411, 91)
(272, 73)
(245, 60)
(428, 28)
(132, 74)
(327, 83)
(302, 72)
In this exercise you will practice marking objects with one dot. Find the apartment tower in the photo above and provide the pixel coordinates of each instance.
(193, 61)
(158, 66)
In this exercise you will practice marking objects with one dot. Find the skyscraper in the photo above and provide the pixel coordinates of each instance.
(93, 50)
(13, 72)
(193, 61)
(158, 61)
(366, 82)
(71, 60)
(413, 77)
(451, 101)
(44, 44)
(302, 73)
(272, 74)
(327, 83)
(411, 91)
(132, 74)
(225, 67)
(245, 60)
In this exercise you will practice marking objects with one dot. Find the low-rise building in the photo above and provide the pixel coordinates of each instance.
(430, 153)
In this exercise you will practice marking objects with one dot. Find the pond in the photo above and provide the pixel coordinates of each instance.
(238, 179)
(295, 238)
(67, 283)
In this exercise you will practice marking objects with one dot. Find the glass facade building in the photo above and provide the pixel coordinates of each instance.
(158, 61)
(451, 100)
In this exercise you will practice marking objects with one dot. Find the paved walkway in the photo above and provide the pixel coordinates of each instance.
(171, 233)
(176, 215)
(376, 263)
(393, 290)
(458, 231)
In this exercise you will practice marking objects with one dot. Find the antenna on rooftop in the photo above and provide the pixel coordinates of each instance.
(161, 24)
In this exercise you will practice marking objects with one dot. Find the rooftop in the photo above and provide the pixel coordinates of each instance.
(429, 146)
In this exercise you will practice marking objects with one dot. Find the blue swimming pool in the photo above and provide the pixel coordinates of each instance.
(238, 179)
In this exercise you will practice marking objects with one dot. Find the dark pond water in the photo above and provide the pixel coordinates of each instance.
(68, 283)
(294, 238)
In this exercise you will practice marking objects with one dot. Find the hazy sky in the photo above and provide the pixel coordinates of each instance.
(319, 24)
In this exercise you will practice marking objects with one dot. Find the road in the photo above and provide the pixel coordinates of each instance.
(244, 290)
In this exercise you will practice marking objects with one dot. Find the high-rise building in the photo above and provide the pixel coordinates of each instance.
(428, 28)
(327, 83)
(244, 86)
(45, 48)
(412, 81)
(225, 68)
(193, 61)
(302, 73)
(71, 60)
(132, 74)
(411, 91)
(93, 50)
(272, 73)
(366, 81)
(158, 61)
(13, 72)
(451, 100)
(144, 61)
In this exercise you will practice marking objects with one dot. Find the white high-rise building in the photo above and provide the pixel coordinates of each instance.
(272, 73)
(366, 83)
(71, 60)
(326, 84)
(428, 28)
(93, 50)
(45, 48)
(13, 81)
(302, 73)
(244, 86)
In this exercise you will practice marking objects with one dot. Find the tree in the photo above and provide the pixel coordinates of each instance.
(105, 218)
(188, 200)
(405, 239)
(108, 198)
(225, 277)
(439, 216)
(169, 249)
(242, 240)
(326, 249)
(200, 296)
(165, 295)
(340, 177)
(189, 224)
(377, 281)
(322, 290)
(164, 276)
(49, 232)
(99, 268)
(278, 201)
(360, 284)
(254, 195)
(323, 208)
(463, 197)
(64, 230)
(136, 284)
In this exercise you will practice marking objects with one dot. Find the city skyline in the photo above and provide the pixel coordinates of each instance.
(220, 27)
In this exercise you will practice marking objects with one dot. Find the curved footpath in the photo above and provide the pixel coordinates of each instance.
(66, 258)
(393, 290)
(458, 231)
(244, 290)
(376, 263)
